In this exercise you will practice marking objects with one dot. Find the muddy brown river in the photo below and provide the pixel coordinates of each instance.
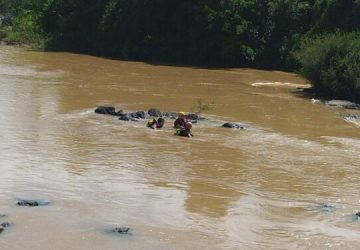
(257, 188)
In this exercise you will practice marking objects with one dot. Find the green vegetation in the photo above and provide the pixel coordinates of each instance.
(21, 22)
(310, 36)
(203, 105)
(332, 63)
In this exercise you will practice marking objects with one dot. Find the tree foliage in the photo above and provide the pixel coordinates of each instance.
(256, 33)
(332, 63)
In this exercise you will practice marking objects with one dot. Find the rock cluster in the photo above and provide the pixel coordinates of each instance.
(154, 112)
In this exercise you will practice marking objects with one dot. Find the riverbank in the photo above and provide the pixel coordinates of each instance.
(315, 42)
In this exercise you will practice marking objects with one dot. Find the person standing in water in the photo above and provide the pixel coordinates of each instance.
(180, 121)
(156, 123)
(186, 131)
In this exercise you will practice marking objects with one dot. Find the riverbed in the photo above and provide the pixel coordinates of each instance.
(256, 188)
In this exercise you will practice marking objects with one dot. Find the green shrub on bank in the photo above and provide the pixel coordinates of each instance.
(21, 22)
(332, 63)
(25, 29)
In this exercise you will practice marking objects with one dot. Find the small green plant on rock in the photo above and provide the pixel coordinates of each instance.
(203, 105)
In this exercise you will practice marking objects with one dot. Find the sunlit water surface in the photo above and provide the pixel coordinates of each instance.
(256, 188)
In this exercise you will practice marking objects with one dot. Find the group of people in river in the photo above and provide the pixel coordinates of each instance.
(182, 125)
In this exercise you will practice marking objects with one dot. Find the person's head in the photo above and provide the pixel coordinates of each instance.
(181, 114)
(188, 125)
(161, 122)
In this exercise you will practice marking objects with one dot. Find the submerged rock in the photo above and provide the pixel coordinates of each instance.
(342, 104)
(5, 224)
(357, 215)
(170, 114)
(154, 112)
(138, 115)
(192, 116)
(232, 125)
(2, 215)
(128, 118)
(32, 203)
(325, 207)
(108, 110)
(119, 230)
(105, 110)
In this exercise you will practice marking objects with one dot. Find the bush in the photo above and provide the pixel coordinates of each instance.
(332, 64)
(25, 30)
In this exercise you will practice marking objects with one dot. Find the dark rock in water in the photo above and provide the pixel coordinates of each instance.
(105, 110)
(192, 116)
(5, 224)
(120, 113)
(170, 114)
(357, 214)
(108, 110)
(342, 104)
(154, 112)
(232, 125)
(28, 203)
(121, 230)
(32, 203)
(138, 115)
(128, 118)
(325, 207)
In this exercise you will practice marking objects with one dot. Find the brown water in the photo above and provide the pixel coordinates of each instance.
(255, 188)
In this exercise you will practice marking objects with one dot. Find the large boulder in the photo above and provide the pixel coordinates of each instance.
(138, 115)
(109, 110)
(232, 125)
(105, 110)
(154, 112)
(342, 104)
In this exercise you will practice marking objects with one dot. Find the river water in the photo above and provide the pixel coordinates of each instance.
(256, 188)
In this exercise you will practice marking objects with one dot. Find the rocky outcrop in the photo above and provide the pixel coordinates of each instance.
(108, 110)
(154, 112)
(232, 125)
(342, 104)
